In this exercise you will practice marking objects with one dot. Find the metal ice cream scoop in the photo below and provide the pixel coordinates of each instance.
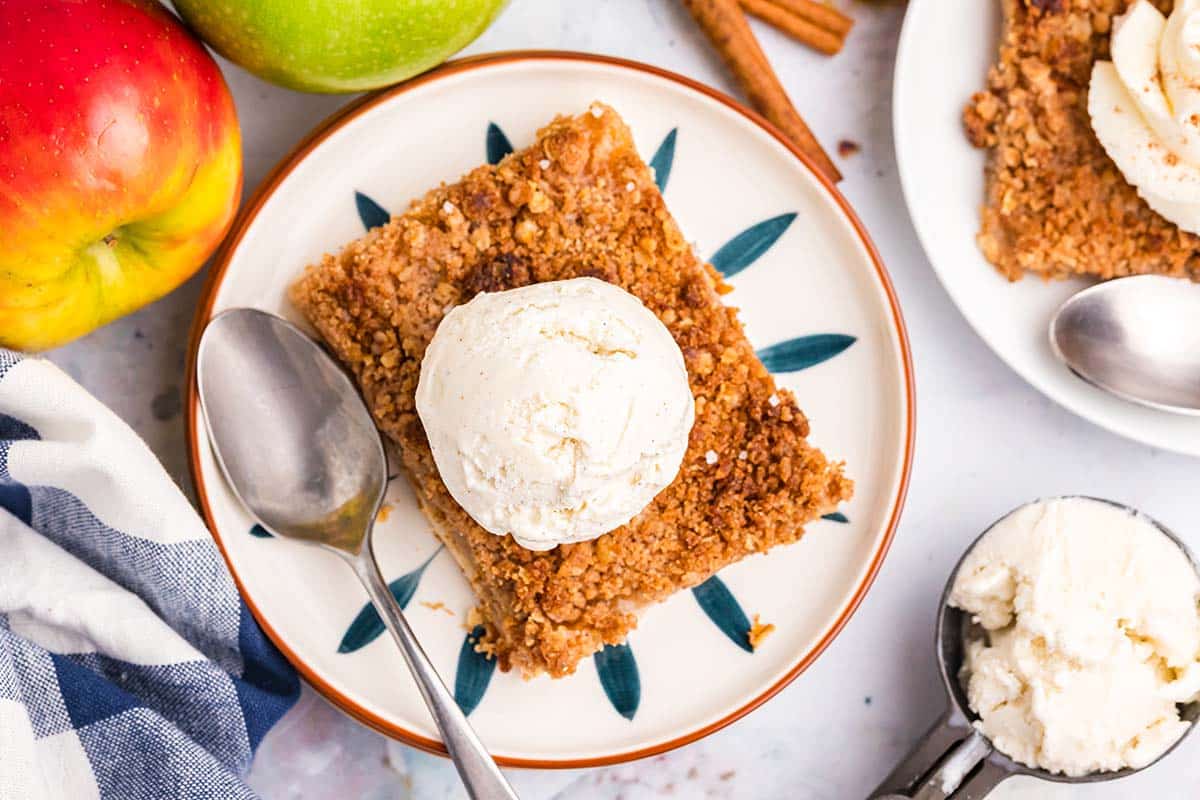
(953, 759)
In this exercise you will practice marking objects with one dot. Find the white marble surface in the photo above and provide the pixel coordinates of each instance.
(985, 443)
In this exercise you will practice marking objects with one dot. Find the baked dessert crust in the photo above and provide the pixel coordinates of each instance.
(1056, 205)
(578, 202)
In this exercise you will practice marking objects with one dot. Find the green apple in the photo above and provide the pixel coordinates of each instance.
(338, 45)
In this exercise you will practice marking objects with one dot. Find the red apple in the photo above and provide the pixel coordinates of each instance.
(120, 163)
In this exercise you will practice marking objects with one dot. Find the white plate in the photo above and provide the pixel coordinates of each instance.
(945, 51)
(821, 276)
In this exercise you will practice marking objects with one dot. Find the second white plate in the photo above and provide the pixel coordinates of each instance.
(945, 52)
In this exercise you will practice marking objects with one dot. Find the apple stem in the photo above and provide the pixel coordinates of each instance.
(110, 240)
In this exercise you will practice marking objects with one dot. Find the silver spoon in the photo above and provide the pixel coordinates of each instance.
(299, 449)
(953, 759)
(1138, 338)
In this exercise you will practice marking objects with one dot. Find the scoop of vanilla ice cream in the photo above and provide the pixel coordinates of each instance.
(555, 412)
(1145, 107)
(1094, 636)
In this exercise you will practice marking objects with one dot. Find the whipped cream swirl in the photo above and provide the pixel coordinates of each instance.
(1145, 107)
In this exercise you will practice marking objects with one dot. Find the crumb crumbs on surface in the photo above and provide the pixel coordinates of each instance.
(759, 631)
(437, 606)
(385, 511)
(711, 457)
(727, 775)
(474, 618)
(848, 147)
(773, 400)
(693, 773)
(867, 700)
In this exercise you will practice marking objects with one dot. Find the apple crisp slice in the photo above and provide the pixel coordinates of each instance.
(1056, 204)
(578, 202)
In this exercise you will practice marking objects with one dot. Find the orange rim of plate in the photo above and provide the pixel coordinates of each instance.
(335, 122)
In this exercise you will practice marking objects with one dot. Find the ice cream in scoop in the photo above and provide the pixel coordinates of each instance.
(555, 412)
(1093, 636)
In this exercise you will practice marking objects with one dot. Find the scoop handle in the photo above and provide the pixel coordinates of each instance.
(950, 761)
(480, 775)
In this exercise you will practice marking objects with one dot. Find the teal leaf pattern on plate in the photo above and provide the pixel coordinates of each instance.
(836, 516)
(618, 673)
(724, 610)
(367, 626)
(474, 672)
(498, 145)
(803, 352)
(259, 532)
(663, 158)
(371, 213)
(748, 246)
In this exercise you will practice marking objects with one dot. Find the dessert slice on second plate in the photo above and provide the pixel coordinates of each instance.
(579, 202)
(1056, 205)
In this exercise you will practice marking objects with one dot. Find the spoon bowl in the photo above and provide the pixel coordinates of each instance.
(953, 759)
(1137, 338)
(289, 430)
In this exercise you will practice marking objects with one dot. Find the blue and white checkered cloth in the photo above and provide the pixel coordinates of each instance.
(130, 669)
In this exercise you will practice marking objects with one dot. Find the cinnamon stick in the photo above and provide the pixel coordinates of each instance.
(795, 26)
(729, 31)
(819, 14)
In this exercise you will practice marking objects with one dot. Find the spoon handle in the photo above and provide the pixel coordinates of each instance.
(480, 775)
